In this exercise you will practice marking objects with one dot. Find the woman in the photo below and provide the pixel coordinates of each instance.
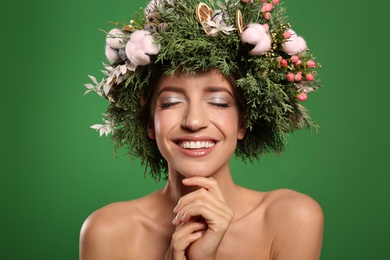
(194, 110)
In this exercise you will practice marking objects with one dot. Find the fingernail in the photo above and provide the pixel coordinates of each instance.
(197, 233)
(175, 209)
(174, 220)
(184, 215)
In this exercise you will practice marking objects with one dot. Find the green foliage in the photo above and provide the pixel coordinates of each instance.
(272, 108)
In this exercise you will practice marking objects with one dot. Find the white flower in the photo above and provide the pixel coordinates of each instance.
(151, 8)
(104, 129)
(217, 24)
(114, 76)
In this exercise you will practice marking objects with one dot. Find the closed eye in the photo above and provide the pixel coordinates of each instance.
(219, 102)
(169, 102)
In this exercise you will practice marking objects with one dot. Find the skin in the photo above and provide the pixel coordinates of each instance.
(201, 213)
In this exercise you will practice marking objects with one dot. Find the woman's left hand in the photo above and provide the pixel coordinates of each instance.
(208, 205)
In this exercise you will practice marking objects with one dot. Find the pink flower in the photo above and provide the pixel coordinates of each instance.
(295, 45)
(267, 15)
(256, 35)
(276, 2)
(141, 47)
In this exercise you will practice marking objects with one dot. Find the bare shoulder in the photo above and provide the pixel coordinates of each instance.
(297, 222)
(107, 229)
(111, 217)
(292, 204)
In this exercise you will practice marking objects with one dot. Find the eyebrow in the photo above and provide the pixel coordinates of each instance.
(213, 89)
(210, 89)
(170, 89)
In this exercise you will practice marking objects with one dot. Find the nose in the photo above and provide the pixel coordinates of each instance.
(194, 118)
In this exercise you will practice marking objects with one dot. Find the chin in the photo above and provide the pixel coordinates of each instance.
(195, 170)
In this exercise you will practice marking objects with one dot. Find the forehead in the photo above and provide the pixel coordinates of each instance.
(200, 80)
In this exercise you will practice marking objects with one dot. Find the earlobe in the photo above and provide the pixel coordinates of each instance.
(241, 130)
(151, 133)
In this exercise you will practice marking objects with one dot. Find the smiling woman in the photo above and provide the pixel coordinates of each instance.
(189, 87)
(196, 123)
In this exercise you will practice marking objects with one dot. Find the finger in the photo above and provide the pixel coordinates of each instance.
(186, 234)
(209, 184)
(217, 220)
(204, 205)
(200, 197)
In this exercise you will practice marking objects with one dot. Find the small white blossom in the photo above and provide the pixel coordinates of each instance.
(217, 23)
(151, 8)
(114, 76)
(104, 129)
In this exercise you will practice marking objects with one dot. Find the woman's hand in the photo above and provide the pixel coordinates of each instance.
(202, 220)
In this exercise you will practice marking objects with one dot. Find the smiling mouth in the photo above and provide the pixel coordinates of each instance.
(196, 145)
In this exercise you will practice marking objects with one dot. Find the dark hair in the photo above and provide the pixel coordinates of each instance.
(146, 114)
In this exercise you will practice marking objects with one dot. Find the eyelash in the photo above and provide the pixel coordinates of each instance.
(221, 105)
(217, 102)
(168, 105)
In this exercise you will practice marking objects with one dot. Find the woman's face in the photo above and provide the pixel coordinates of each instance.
(196, 122)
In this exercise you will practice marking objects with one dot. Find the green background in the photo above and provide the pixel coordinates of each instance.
(55, 170)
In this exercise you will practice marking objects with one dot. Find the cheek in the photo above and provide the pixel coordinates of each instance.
(227, 122)
(164, 122)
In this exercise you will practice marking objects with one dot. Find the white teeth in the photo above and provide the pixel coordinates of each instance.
(196, 145)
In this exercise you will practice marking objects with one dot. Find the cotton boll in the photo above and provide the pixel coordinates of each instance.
(294, 45)
(111, 54)
(115, 38)
(256, 37)
(141, 47)
(136, 55)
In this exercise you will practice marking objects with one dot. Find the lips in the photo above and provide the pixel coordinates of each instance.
(196, 144)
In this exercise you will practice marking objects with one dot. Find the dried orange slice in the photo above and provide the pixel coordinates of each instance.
(239, 25)
(203, 13)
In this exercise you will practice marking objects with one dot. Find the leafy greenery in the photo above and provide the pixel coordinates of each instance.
(272, 108)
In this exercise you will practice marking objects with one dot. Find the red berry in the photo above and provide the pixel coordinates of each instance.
(283, 63)
(290, 77)
(302, 96)
(310, 77)
(298, 77)
(311, 64)
(294, 58)
(286, 35)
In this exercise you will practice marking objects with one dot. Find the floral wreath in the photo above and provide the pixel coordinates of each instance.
(250, 39)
